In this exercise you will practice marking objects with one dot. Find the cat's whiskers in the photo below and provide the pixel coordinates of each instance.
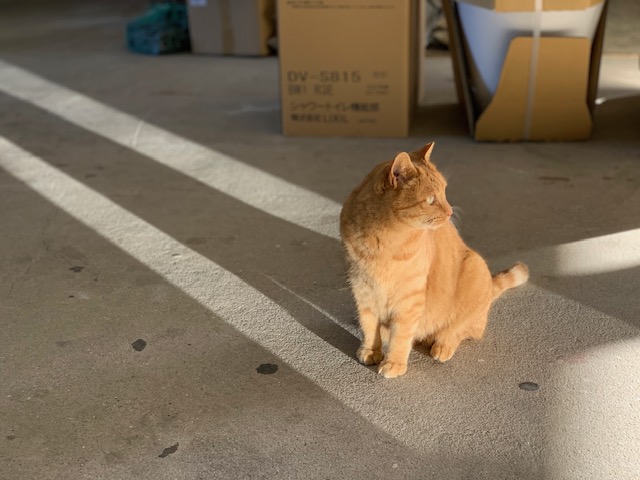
(456, 218)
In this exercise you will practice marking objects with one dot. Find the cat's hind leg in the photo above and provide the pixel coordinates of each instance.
(445, 344)
(476, 328)
(448, 339)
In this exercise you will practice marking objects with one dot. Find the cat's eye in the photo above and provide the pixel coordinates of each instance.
(431, 199)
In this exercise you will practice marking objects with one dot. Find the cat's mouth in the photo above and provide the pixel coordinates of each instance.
(434, 223)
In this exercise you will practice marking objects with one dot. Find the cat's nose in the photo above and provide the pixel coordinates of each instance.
(450, 212)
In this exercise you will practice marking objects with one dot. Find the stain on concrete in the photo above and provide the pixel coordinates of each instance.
(169, 450)
(71, 296)
(114, 457)
(529, 386)
(72, 255)
(76, 269)
(267, 369)
(300, 245)
(40, 393)
(230, 239)
(196, 241)
(173, 332)
(11, 437)
(555, 179)
(90, 175)
(139, 345)
(63, 343)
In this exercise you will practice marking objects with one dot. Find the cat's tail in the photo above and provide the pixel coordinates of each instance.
(510, 278)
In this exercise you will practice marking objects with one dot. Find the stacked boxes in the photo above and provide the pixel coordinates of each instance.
(231, 27)
(525, 69)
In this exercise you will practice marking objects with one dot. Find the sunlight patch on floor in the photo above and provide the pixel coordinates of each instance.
(592, 256)
(243, 182)
(608, 253)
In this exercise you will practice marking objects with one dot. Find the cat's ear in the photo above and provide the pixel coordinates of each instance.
(402, 169)
(425, 152)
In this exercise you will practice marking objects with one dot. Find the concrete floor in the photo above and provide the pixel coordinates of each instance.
(173, 302)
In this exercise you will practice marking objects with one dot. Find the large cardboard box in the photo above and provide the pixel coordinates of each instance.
(349, 67)
(547, 75)
(231, 27)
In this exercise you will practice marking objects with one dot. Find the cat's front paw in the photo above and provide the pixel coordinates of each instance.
(366, 356)
(391, 370)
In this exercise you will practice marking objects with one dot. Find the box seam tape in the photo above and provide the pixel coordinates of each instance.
(533, 67)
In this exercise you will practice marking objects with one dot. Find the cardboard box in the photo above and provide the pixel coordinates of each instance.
(231, 27)
(349, 67)
(549, 76)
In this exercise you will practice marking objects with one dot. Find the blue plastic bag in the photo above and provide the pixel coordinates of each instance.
(164, 28)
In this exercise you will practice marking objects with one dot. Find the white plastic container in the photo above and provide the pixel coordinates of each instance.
(488, 33)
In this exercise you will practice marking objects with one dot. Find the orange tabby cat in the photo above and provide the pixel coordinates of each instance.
(412, 276)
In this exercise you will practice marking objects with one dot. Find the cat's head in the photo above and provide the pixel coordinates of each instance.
(415, 189)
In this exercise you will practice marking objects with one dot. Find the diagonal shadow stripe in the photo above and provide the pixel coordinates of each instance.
(245, 240)
(240, 305)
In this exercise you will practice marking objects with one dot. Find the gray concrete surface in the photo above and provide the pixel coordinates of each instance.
(155, 199)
